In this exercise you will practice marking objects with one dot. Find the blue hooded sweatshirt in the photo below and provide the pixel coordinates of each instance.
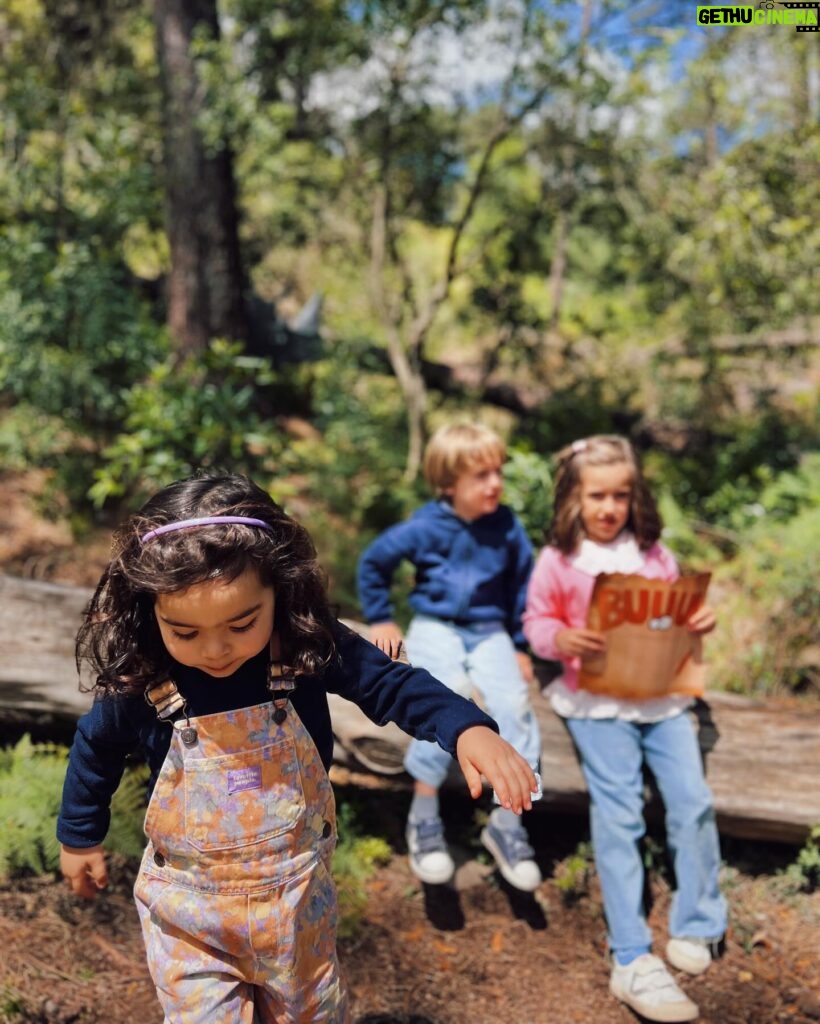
(466, 572)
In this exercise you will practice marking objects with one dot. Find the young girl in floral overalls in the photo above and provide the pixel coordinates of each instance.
(605, 521)
(214, 648)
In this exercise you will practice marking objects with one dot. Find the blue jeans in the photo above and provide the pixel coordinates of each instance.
(612, 755)
(472, 659)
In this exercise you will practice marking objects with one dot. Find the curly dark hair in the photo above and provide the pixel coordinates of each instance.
(120, 638)
(566, 530)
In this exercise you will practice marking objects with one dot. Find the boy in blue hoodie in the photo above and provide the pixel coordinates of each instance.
(473, 560)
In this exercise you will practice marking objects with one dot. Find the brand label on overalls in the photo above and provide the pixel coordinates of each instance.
(240, 779)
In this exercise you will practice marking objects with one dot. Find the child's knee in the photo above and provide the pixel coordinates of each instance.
(695, 808)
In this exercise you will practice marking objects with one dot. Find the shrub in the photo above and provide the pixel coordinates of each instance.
(355, 860)
(528, 492)
(573, 873)
(31, 785)
(767, 641)
(197, 414)
(805, 871)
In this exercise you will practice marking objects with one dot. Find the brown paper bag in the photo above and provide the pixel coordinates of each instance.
(649, 651)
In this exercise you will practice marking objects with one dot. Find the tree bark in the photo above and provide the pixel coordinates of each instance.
(206, 283)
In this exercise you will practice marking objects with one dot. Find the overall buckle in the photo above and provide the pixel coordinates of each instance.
(165, 699)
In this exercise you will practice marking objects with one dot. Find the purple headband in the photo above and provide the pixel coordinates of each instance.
(185, 524)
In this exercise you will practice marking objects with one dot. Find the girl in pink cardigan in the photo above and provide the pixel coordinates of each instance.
(605, 520)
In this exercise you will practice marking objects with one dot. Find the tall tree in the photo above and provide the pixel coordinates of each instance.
(419, 167)
(206, 285)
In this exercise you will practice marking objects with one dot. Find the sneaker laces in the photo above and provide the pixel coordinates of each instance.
(429, 835)
(517, 843)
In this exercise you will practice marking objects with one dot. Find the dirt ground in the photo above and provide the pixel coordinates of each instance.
(474, 953)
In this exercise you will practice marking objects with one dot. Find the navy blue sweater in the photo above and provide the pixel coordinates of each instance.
(468, 572)
(116, 726)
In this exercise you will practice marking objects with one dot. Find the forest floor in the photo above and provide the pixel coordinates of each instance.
(474, 953)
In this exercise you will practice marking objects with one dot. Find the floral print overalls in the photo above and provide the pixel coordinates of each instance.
(234, 893)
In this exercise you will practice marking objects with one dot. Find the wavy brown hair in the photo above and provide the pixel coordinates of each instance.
(120, 638)
(567, 530)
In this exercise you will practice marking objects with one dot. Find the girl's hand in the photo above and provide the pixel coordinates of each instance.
(525, 666)
(702, 621)
(480, 751)
(387, 637)
(84, 870)
(580, 643)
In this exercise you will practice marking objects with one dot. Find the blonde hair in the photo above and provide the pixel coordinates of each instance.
(567, 529)
(458, 447)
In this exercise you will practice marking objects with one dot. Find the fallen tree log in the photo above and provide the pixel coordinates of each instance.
(762, 758)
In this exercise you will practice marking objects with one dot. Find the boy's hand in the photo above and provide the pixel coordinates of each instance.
(84, 870)
(525, 667)
(702, 621)
(480, 751)
(579, 643)
(388, 638)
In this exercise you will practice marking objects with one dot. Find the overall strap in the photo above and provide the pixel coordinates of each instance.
(166, 700)
(281, 681)
(170, 705)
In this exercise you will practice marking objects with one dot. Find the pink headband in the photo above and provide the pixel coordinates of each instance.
(185, 524)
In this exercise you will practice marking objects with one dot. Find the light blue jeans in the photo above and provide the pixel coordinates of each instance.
(612, 755)
(476, 659)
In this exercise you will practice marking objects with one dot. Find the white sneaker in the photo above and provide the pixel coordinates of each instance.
(430, 860)
(513, 856)
(690, 955)
(649, 989)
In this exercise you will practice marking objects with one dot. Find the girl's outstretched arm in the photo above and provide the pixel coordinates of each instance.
(84, 869)
(480, 751)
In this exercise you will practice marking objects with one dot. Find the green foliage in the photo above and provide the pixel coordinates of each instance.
(590, 404)
(30, 437)
(758, 491)
(361, 420)
(200, 413)
(528, 491)
(767, 643)
(354, 862)
(347, 475)
(74, 335)
(696, 545)
(749, 248)
(31, 779)
(128, 806)
(76, 175)
(804, 873)
(31, 785)
(653, 853)
(743, 468)
(11, 1005)
(572, 874)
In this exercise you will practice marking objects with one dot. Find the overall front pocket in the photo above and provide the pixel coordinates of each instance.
(240, 799)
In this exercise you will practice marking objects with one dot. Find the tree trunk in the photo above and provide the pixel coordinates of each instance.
(205, 284)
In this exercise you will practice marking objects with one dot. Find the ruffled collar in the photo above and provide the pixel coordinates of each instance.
(620, 555)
